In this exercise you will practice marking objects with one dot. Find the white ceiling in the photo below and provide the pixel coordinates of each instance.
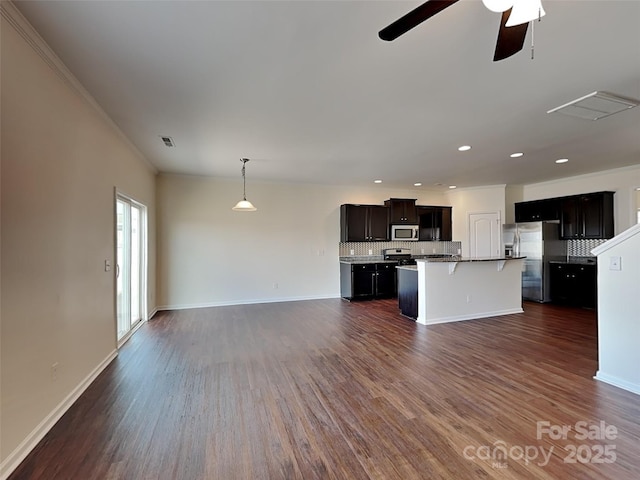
(309, 93)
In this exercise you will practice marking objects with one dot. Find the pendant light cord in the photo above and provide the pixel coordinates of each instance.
(244, 180)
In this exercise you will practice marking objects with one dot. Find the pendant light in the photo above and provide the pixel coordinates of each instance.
(244, 205)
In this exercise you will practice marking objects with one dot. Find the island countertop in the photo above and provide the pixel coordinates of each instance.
(457, 259)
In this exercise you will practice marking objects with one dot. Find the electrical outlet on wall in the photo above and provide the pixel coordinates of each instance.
(370, 252)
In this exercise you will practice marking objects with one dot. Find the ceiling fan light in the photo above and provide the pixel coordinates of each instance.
(525, 11)
(244, 206)
(498, 6)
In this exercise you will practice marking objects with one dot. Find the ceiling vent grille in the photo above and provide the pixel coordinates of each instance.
(596, 105)
(168, 141)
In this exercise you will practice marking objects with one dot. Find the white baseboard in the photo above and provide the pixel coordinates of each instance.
(471, 316)
(618, 382)
(243, 302)
(29, 443)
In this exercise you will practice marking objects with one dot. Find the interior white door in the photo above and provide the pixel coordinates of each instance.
(484, 234)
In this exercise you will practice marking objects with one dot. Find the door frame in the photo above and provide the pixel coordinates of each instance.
(144, 268)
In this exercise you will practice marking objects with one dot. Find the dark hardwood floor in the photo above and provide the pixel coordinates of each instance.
(329, 389)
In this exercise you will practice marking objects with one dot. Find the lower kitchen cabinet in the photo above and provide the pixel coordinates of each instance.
(574, 284)
(408, 292)
(367, 280)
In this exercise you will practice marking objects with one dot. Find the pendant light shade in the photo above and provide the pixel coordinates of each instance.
(244, 205)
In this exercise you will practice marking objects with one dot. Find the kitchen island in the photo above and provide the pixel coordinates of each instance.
(457, 288)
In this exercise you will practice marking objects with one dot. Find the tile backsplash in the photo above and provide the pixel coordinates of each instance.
(582, 248)
(417, 248)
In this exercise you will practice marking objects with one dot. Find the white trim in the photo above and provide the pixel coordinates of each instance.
(14, 459)
(470, 316)
(618, 382)
(37, 43)
(152, 313)
(244, 302)
(618, 239)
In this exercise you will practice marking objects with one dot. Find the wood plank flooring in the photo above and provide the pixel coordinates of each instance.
(329, 389)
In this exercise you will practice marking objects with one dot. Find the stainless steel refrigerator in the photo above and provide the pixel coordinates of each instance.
(539, 243)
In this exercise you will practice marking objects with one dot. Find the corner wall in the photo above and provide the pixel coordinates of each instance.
(61, 160)
(618, 311)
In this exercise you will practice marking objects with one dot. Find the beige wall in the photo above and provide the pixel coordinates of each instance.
(211, 255)
(61, 160)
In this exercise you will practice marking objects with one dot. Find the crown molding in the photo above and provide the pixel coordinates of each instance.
(22, 26)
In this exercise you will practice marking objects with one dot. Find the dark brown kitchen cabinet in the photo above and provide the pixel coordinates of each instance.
(538, 210)
(402, 211)
(367, 280)
(434, 223)
(364, 223)
(408, 292)
(573, 284)
(588, 216)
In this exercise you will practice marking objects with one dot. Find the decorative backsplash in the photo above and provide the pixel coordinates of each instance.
(360, 249)
(582, 248)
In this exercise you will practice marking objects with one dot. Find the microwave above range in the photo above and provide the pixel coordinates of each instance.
(405, 233)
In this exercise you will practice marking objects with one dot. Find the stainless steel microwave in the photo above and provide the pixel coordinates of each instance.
(404, 233)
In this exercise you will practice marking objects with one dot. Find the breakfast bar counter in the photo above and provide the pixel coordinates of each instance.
(459, 288)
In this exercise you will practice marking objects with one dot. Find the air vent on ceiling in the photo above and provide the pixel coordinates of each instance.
(168, 141)
(596, 105)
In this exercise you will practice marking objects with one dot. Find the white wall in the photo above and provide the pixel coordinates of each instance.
(618, 312)
(474, 200)
(61, 159)
(211, 255)
(623, 181)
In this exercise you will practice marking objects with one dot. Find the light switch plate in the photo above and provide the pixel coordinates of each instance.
(615, 263)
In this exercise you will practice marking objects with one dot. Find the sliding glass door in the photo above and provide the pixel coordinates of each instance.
(131, 269)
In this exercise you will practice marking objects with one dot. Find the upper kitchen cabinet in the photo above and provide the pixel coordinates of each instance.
(538, 210)
(364, 223)
(402, 211)
(434, 223)
(588, 216)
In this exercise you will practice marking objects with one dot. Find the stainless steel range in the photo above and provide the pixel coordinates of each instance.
(401, 255)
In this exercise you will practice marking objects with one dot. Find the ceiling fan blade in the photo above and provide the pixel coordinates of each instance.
(510, 39)
(414, 18)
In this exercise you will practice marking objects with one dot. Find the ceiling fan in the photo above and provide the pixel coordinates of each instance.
(516, 15)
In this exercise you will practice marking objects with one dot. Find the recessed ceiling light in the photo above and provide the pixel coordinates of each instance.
(377, 181)
(417, 184)
(452, 187)
(516, 155)
(562, 160)
(464, 148)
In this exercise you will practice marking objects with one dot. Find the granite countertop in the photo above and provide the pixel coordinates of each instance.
(577, 261)
(365, 260)
(466, 259)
